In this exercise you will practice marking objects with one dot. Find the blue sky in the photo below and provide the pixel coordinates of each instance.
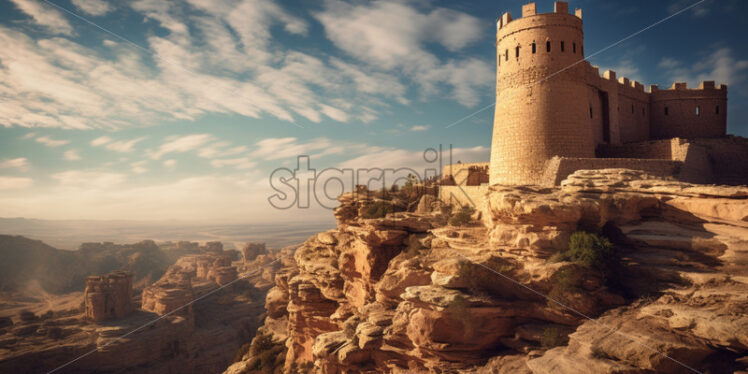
(187, 111)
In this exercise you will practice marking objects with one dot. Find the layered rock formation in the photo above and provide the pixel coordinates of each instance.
(409, 293)
(108, 296)
(186, 323)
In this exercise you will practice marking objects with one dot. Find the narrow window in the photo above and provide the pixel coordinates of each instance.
(548, 46)
(533, 47)
(665, 110)
(590, 112)
(574, 47)
(516, 52)
(506, 55)
(632, 108)
(698, 110)
(562, 46)
(582, 50)
(716, 110)
(643, 111)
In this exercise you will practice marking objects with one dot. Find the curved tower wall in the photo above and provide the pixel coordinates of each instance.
(537, 116)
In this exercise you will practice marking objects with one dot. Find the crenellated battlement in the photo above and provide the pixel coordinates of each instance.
(676, 86)
(577, 109)
(683, 86)
(529, 10)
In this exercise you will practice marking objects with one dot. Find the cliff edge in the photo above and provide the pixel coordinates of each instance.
(613, 271)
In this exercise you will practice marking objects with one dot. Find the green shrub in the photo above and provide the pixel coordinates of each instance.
(377, 209)
(592, 250)
(462, 216)
(566, 286)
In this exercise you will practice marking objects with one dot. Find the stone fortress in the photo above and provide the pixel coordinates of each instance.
(556, 114)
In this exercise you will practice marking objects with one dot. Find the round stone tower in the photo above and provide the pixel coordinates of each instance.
(541, 105)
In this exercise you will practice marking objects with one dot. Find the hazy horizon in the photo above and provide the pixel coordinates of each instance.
(70, 234)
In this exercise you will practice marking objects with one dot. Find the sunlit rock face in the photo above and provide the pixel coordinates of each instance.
(108, 296)
(194, 319)
(408, 292)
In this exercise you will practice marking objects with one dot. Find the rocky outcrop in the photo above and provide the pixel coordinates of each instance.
(409, 293)
(186, 324)
(108, 296)
(250, 251)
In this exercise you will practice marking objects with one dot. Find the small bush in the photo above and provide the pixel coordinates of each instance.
(462, 216)
(566, 286)
(377, 209)
(592, 250)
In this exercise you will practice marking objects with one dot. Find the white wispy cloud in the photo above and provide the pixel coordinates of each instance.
(93, 7)
(20, 163)
(88, 179)
(49, 142)
(393, 35)
(222, 59)
(241, 163)
(123, 146)
(138, 167)
(181, 144)
(290, 148)
(400, 158)
(419, 128)
(170, 163)
(45, 16)
(100, 141)
(14, 183)
(71, 155)
(720, 66)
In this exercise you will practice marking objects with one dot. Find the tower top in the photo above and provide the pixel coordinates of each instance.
(528, 10)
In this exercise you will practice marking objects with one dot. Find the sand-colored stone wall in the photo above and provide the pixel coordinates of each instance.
(474, 196)
(469, 174)
(558, 168)
(675, 113)
(551, 103)
(538, 111)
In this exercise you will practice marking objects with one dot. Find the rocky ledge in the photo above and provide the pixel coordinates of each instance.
(506, 293)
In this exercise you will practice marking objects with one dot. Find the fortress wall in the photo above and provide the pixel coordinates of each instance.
(461, 173)
(680, 119)
(627, 105)
(474, 196)
(633, 110)
(558, 168)
(665, 149)
(538, 111)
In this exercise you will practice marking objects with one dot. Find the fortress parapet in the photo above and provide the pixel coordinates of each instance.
(689, 113)
(550, 102)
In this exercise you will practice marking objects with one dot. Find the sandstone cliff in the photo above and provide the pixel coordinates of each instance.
(186, 324)
(410, 293)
